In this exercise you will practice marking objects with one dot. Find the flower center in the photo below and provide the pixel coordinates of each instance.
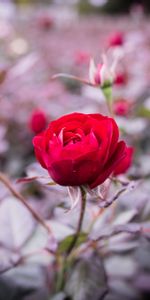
(72, 138)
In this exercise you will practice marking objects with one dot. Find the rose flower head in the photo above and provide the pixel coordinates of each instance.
(38, 121)
(82, 149)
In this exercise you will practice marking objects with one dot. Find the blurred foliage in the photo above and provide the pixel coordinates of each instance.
(85, 7)
(87, 278)
(117, 6)
(32, 1)
(143, 112)
(112, 6)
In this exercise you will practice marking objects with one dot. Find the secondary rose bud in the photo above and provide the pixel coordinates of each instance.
(120, 79)
(116, 39)
(121, 107)
(37, 122)
(82, 149)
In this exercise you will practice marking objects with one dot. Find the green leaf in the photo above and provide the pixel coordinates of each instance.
(86, 279)
(64, 245)
(27, 281)
(51, 183)
(143, 112)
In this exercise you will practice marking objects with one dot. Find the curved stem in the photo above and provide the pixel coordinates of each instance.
(83, 204)
(69, 76)
(17, 195)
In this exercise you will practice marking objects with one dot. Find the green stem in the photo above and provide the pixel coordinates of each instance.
(83, 204)
(107, 91)
(61, 275)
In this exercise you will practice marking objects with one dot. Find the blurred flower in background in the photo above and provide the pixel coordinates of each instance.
(38, 121)
(122, 107)
(116, 39)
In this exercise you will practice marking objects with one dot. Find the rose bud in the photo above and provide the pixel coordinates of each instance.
(99, 74)
(116, 39)
(38, 121)
(81, 149)
(95, 73)
(105, 72)
(121, 107)
(120, 79)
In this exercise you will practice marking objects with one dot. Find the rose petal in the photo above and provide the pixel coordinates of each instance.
(126, 162)
(111, 164)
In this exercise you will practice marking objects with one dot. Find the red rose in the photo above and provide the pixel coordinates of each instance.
(81, 149)
(37, 122)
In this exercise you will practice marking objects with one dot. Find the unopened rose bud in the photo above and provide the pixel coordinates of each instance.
(99, 74)
(120, 79)
(38, 121)
(116, 39)
(122, 107)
